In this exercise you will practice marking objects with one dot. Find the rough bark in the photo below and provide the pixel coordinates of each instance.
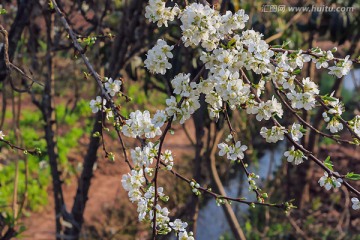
(84, 181)
(47, 108)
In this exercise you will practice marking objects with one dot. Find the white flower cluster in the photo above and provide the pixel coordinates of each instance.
(341, 68)
(181, 85)
(336, 108)
(322, 58)
(225, 84)
(296, 131)
(202, 24)
(135, 184)
(286, 64)
(334, 125)
(145, 156)
(274, 134)
(228, 87)
(157, 57)
(322, 62)
(112, 87)
(168, 159)
(132, 182)
(355, 124)
(98, 104)
(330, 182)
(233, 152)
(188, 107)
(140, 123)
(258, 54)
(296, 156)
(266, 109)
(157, 12)
(305, 99)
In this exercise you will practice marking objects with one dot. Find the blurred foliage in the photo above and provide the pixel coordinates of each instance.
(141, 99)
(39, 172)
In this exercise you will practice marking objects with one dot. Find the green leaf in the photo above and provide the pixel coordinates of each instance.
(356, 141)
(353, 176)
(231, 43)
(51, 5)
(22, 229)
(328, 163)
(286, 43)
(328, 98)
(297, 71)
(3, 11)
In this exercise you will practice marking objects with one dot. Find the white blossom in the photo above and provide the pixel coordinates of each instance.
(113, 86)
(156, 11)
(140, 123)
(300, 100)
(309, 86)
(355, 124)
(336, 107)
(2, 135)
(97, 104)
(224, 149)
(143, 157)
(274, 134)
(159, 118)
(186, 236)
(237, 151)
(150, 193)
(233, 152)
(178, 225)
(295, 132)
(203, 25)
(341, 68)
(133, 180)
(171, 109)
(188, 107)
(157, 57)
(330, 182)
(334, 125)
(299, 59)
(296, 156)
(263, 111)
(326, 117)
(168, 159)
(214, 100)
(181, 84)
(355, 203)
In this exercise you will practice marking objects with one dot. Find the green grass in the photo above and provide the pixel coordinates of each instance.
(32, 135)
